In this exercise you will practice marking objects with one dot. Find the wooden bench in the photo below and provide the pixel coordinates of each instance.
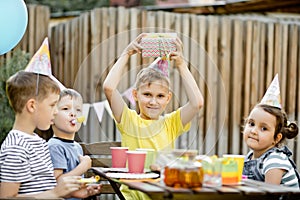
(100, 154)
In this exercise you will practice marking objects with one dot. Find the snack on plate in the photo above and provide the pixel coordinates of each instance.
(94, 179)
(158, 44)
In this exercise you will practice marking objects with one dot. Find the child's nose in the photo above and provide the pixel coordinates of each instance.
(153, 100)
(73, 113)
(253, 130)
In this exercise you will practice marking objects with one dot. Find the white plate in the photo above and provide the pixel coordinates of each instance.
(132, 176)
(111, 169)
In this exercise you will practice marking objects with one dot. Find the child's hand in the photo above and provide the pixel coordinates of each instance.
(93, 189)
(134, 47)
(86, 161)
(155, 167)
(87, 190)
(177, 55)
(66, 185)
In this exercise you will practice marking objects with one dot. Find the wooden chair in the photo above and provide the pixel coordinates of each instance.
(100, 154)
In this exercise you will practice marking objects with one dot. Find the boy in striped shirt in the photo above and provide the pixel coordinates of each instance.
(25, 164)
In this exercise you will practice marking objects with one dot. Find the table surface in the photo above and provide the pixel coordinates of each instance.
(247, 189)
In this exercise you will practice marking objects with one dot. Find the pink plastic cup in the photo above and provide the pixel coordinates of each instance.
(136, 161)
(118, 156)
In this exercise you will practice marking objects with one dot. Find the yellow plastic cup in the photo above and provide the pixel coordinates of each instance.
(240, 161)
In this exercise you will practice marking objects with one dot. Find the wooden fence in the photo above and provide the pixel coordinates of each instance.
(233, 58)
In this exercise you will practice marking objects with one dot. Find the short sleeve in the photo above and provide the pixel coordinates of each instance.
(15, 166)
(58, 157)
(175, 124)
(276, 161)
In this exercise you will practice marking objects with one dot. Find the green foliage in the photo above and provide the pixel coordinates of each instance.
(69, 5)
(10, 66)
(60, 6)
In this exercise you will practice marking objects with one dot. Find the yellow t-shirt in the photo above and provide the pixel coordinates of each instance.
(156, 134)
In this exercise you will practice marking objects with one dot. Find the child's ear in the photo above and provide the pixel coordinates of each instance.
(169, 96)
(31, 105)
(278, 138)
(134, 94)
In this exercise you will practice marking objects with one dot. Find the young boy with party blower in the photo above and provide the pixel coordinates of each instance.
(66, 154)
(149, 128)
(25, 164)
(265, 132)
(26, 169)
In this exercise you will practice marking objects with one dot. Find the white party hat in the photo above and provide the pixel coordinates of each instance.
(40, 63)
(272, 95)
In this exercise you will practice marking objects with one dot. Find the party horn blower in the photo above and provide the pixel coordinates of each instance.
(90, 180)
(78, 120)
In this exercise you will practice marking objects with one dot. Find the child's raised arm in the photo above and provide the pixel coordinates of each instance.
(114, 76)
(195, 97)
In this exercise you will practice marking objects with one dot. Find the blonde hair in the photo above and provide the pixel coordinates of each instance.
(149, 75)
(70, 92)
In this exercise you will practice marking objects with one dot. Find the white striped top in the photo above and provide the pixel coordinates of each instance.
(279, 160)
(26, 159)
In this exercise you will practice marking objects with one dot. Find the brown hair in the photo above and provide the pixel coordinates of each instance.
(288, 129)
(148, 75)
(22, 86)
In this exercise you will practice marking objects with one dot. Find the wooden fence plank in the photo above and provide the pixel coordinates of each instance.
(254, 65)
(194, 68)
(236, 84)
(270, 52)
(202, 29)
(135, 62)
(297, 150)
(66, 46)
(175, 79)
(224, 84)
(291, 79)
(212, 98)
(284, 74)
(262, 59)
(277, 50)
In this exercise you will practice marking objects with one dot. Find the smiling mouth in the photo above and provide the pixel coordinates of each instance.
(153, 108)
(253, 138)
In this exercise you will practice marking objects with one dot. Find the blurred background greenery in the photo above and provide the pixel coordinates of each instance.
(62, 6)
(10, 66)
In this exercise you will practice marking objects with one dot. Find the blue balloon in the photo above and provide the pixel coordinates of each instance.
(13, 23)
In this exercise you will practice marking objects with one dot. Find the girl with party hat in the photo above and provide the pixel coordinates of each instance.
(265, 131)
(149, 128)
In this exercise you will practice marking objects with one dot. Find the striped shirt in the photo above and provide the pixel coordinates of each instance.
(279, 160)
(26, 159)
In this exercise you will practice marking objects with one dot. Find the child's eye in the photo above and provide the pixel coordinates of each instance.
(64, 108)
(251, 123)
(264, 129)
(78, 110)
(147, 94)
(161, 96)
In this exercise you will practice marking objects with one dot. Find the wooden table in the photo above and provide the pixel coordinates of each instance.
(248, 189)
